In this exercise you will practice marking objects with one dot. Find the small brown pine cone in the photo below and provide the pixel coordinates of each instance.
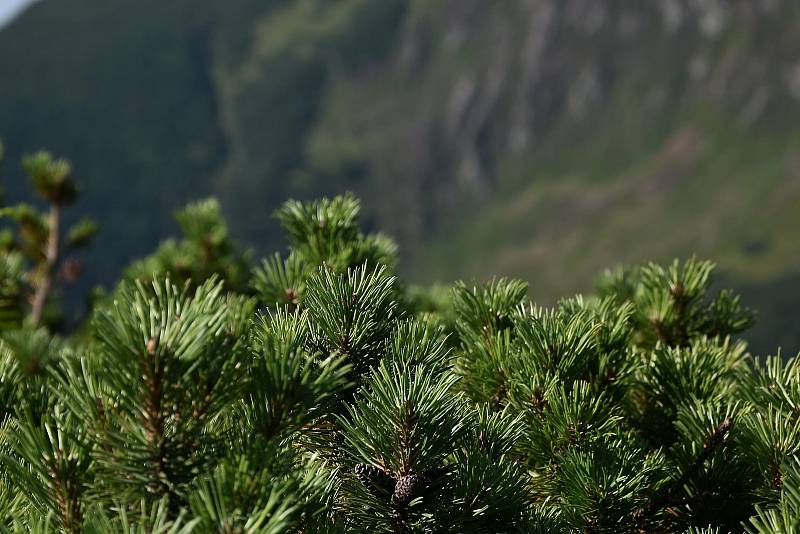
(408, 487)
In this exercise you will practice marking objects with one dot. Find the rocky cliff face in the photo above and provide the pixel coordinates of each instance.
(475, 88)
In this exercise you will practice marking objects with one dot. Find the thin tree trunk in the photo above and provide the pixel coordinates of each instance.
(51, 260)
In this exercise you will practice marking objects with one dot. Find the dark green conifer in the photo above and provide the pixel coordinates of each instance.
(318, 394)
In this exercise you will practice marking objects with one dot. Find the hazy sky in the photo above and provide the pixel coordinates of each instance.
(9, 8)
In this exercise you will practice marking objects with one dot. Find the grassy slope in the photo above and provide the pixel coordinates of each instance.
(735, 199)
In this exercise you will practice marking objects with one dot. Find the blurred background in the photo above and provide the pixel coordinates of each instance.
(541, 139)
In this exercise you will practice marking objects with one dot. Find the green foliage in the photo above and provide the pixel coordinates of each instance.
(326, 232)
(51, 178)
(12, 289)
(785, 516)
(323, 233)
(81, 233)
(27, 355)
(352, 313)
(297, 380)
(50, 463)
(675, 304)
(205, 250)
(281, 282)
(337, 400)
(706, 372)
(174, 364)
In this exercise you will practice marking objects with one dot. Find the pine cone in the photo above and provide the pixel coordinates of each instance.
(408, 487)
(71, 270)
(377, 481)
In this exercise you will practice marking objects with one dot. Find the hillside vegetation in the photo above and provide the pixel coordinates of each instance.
(545, 140)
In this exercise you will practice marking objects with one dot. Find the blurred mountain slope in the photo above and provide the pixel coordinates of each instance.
(538, 138)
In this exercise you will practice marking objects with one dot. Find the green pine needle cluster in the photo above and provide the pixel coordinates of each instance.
(315, 393)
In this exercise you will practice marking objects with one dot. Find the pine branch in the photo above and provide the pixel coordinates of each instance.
(666, 496)
(191, 411)
(48, 268)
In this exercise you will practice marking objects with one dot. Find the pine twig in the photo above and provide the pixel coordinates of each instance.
(51, 260)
